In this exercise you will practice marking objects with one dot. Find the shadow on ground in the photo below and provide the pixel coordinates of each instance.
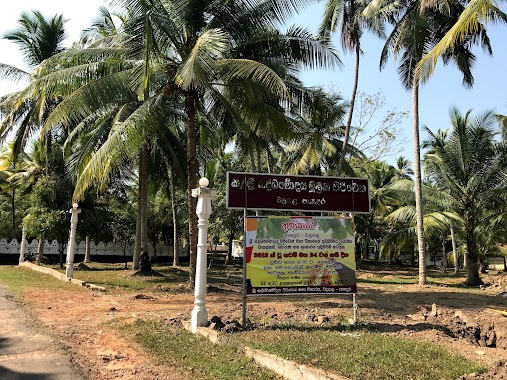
(7, 374)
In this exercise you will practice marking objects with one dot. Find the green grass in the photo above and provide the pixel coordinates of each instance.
(194, 353)
(360, 354)
(435, 278)
(18, 279)
(115, 277)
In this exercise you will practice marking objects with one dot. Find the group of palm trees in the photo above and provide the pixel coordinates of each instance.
(154, 92)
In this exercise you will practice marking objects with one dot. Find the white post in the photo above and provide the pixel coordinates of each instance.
(22, 248)
(71, 247)
(203, 211)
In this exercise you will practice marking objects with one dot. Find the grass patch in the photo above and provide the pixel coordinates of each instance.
(18, 279)
(116, 277)
(361, 354)
(194, 353)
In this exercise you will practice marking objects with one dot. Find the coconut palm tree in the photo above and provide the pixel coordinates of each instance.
(192, 59)
(384, 195)
(349, 15)
(471, 167)
(38, 38)
(471, 20)
(415, 31)
(403, 168)
(317, 147)
(438, 218)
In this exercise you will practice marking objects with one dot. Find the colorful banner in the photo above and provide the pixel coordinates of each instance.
(300, 255)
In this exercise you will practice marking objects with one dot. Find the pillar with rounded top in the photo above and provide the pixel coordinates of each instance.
(22, 248)
(203, 211)
(71, 247)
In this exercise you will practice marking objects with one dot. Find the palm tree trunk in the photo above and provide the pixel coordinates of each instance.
(40, 250)
(418, 183)
(444, 256)
(258, 152)
(252, 161)
(49, 143)
(137, 243)
(13, 204)
(366, 254)
(473, 278)
(176, 259)
(143, 189)
(472, 257)
(13, 207)
(268, 159)
(155, 255)
(351, 112)
(454, 252)
(254, 167)
(87, 258)
(61, 248)
(191, 111)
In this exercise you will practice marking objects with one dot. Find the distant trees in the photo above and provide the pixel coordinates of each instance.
(471, 167)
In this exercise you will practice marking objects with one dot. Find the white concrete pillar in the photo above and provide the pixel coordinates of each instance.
(203, 211)
(22, 247)
(71, 247)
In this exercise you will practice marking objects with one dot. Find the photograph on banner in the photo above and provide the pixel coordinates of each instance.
(298, 255)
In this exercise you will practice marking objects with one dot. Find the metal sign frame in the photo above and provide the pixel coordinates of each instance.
(245, 208)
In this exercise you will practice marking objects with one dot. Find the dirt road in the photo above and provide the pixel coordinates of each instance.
(26, 352)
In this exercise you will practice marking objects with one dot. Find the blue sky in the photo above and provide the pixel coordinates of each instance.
(442, 91)
(436, 97)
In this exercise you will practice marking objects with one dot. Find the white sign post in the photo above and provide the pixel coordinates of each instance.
(71, 249)
(203, 211)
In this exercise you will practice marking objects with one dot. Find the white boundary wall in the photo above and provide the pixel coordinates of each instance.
(100, 249)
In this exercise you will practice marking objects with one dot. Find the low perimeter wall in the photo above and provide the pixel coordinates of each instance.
(9, 250)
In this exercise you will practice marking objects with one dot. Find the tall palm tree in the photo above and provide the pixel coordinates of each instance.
(349, 15)
(470, 165)
(38, 38)
(415, 31)
(186, 59)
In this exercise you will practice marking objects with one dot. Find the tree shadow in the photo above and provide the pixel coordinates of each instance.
(329, 305)
(375, 327)
(390, 281)
(4, 343)
(7, 374)
(411, 301)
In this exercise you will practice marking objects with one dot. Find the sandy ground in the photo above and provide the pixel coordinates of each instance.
(462, 322)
